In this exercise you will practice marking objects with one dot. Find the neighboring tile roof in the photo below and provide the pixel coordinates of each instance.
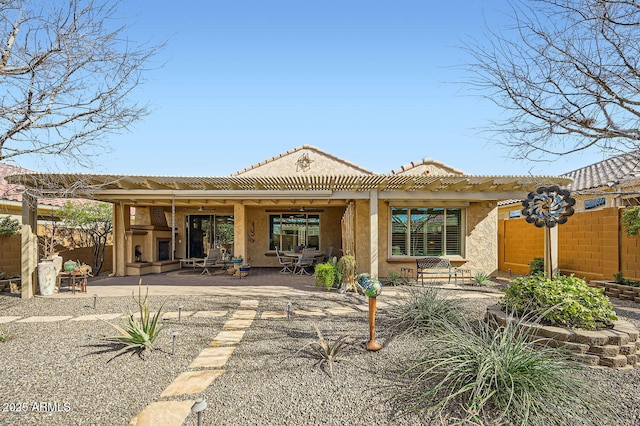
(427, 162)
(11, 192)
(606, 173)
(300, 148)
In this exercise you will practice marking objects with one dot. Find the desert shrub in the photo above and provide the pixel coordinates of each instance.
(4, 335)
(495, 372)
(327, 275)
(394, 279)
(536, 266)
(424, 311)
(563, 301)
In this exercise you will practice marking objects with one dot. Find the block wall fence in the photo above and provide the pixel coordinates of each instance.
(11, 254)
(591, 245)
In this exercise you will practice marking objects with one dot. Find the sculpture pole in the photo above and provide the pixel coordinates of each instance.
(372, 345)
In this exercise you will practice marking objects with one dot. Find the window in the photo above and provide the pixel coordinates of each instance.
(288, 231)
(594, 202)
(426, 231)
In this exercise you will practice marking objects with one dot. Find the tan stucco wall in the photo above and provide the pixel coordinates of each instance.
(482, 237)
(363, 236)
(428, 169)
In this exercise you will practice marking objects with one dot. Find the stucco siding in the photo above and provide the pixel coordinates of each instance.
(482, 237)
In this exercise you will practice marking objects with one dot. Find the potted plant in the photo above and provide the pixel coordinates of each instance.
(327, 275)
(244, 269)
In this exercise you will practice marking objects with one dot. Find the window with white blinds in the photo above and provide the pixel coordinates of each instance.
(423, 231)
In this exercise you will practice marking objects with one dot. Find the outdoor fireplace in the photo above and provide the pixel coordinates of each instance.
(164, 249)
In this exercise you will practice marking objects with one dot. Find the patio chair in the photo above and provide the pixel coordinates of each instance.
(327, 254)
(286, 262)
(304, 261)
(212, 260)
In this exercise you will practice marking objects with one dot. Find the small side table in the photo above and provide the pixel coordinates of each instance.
(74, 281)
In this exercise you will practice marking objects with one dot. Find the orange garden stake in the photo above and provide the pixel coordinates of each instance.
(372, 345)
(372, 288)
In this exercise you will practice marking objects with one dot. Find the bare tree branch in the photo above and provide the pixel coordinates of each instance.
(66, 78)
(567, 73)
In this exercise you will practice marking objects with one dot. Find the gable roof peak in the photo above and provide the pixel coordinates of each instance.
(426, 166)
(327, 164)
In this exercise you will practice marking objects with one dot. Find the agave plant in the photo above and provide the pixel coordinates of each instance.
(138, 335)
(329, 351)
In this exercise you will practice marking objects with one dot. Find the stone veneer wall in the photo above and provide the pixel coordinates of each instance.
(616, 347)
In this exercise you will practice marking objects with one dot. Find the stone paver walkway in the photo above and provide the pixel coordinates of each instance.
(212, 359)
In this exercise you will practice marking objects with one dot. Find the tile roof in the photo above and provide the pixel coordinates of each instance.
(427, 162)
(12, 192)
(606, 173)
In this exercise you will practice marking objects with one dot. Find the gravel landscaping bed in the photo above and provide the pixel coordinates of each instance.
(61, 372)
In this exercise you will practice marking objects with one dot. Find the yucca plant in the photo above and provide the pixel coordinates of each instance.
(481, 278)
(138, 335)
(488, 370)
(329, 351)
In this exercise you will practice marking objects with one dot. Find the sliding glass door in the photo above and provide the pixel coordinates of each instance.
(209, 231)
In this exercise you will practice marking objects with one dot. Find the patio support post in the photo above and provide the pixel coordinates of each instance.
(239, 231)
(29, 246)
(120, 221)
(373, 226)
(173, 228)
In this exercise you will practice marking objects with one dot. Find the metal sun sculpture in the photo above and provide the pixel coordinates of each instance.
(548, 206)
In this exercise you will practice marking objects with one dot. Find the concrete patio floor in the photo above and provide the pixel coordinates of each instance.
(265, 282)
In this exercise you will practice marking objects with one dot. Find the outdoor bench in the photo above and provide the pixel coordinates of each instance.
(434, 265)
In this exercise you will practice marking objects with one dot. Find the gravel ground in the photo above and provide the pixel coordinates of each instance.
(271, 379)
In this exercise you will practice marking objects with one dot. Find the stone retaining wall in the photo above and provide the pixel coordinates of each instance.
(619, 291)
(616, 347)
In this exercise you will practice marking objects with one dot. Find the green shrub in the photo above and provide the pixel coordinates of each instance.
(536, 266)
(327, 275)
(9, 226)
(563, 301)
(4, 335)
(138, 335)
(631, 220)
(394, 279)
(490, 371)
(620, 279)
(424, 311)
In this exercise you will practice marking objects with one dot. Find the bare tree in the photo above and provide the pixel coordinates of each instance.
(567, 73)
(66, 78)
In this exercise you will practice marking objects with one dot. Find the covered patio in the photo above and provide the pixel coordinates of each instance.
(302, 197)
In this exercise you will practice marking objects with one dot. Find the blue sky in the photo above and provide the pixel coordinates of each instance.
(372, 82)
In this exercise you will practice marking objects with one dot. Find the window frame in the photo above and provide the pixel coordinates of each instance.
(306, 233)
(443, 237)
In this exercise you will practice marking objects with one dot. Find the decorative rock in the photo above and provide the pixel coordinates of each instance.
(591, 338)
(616, 337)
(557, 333)
(606, 350)
(628, 349)
(614, 361)
(586, 359)
(632, 359)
